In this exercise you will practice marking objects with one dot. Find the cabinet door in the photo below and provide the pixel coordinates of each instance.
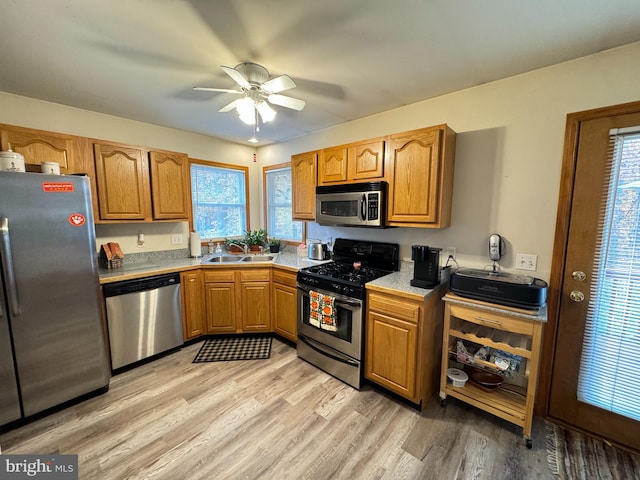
(284, 311)
(332, 166)
(221, 307)
(169, 185)
(255, 306)
(39, 146)
(303, 184)
(413, 176)
(122, 175)
(366, 160)
(193, 304)
(392, 354)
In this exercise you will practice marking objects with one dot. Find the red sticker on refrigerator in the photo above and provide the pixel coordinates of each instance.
(77, 219)
(57, 187)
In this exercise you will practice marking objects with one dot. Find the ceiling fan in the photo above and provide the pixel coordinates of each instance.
(257, 92)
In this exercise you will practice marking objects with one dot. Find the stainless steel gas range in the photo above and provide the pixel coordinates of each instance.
(331, 306)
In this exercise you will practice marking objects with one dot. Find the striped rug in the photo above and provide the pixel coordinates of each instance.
(575, 456)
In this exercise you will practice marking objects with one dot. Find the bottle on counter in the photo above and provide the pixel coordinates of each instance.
(218, 248)
(210, 245)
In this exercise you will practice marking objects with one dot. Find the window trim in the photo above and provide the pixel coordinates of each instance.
(209, 163)
(266, 169)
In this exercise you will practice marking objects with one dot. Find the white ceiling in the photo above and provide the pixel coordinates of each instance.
(139, 59)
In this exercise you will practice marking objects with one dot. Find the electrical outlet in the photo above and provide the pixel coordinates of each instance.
(525, 261)
(451, 252)
(176, 239)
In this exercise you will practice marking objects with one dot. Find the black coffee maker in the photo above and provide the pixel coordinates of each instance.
(426, 266)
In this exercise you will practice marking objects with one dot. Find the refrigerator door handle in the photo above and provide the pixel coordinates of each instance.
(7, 268)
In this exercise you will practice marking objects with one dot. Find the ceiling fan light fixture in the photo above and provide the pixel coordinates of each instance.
(246, 110)
(266, 112)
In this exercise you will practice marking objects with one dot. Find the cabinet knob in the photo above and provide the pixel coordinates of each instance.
(576, 296)
(579, 276)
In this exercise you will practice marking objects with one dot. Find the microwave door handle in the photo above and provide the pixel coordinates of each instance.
(363, 207)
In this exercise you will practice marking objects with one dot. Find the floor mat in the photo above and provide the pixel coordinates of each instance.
(225, 349)
(573, 455)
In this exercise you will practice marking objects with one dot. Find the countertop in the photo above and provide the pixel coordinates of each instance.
(397, 283)
(131, 271)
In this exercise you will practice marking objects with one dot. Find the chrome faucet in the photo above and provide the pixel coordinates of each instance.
(245, 247)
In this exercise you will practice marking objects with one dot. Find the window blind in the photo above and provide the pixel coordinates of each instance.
(611, 346)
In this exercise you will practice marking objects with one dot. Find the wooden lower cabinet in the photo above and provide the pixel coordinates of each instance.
(403, 343)
(193, 304)
(238, 301)
(284, 304)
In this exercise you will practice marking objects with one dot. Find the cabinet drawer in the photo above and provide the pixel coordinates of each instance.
(285, 278)
(492, 320)
(398, 309)
(254, 275)
(219, 276)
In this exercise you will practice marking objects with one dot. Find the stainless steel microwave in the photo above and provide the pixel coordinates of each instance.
(354, 204)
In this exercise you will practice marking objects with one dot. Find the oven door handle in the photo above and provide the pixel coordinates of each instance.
(338, 300)
(333, 356)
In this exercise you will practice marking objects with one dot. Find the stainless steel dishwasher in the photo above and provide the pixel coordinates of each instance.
(144, 317)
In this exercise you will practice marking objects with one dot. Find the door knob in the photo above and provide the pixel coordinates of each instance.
(579, 276)
(576, 296)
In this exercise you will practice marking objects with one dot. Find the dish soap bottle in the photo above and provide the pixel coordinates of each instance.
(218, 248)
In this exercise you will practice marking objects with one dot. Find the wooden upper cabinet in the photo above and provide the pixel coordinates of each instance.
(303, 184)
(38, 146)
(366, 160)
(355, 162)
(332, 165)
(420, 175)
(122, 175)
(169, 185)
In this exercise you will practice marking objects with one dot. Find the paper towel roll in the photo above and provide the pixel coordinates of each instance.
(194, 244)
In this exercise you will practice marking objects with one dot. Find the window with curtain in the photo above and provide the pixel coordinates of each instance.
(278, 205)
(611, 345)
(219, 197)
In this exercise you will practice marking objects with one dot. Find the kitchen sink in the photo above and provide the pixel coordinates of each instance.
(258, 258)
(225, 259)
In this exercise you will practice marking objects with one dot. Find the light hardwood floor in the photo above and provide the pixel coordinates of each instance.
(273, 419)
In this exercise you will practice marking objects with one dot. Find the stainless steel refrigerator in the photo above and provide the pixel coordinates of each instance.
(52, 340)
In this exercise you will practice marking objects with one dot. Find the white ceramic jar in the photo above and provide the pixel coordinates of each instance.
(11, 161)
(51, 168)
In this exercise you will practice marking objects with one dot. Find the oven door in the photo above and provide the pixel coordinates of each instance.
(347, 339)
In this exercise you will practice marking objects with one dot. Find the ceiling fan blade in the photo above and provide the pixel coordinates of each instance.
(229, 107)
(237, 76)
(285, 101)
(278, 84)
(209, 89)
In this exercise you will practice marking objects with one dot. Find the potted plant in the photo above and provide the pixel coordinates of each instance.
(255, 239)
(274, 245)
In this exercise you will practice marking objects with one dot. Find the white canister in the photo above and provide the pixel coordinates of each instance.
(51, 168)
(11, 161)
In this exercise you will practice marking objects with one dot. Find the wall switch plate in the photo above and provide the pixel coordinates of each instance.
(525, 261)
(176, 239)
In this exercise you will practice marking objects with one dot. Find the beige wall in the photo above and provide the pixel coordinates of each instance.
(509, 154)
